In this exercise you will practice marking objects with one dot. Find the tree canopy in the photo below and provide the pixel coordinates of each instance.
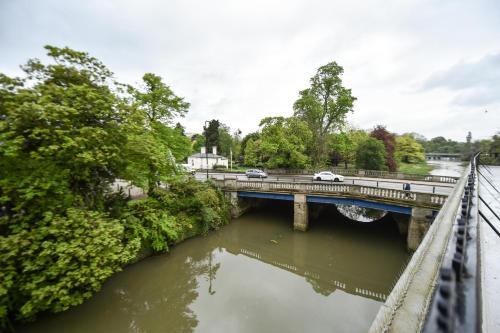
(282, 143)
(323, 106)
(389, 141)
(408, 150)
(371, 155)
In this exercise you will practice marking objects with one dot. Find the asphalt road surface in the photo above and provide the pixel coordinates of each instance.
(396, 184)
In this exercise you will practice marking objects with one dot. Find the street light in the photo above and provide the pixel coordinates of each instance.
(206, 144)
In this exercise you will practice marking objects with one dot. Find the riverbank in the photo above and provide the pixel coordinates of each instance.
(416, 168)
(73, 255)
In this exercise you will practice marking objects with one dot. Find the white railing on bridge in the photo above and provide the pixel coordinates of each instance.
(333, 188)
(369, 174)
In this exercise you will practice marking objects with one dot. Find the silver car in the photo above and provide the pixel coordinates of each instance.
(255, 173)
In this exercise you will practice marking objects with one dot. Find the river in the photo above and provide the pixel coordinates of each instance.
(446, 168)
(254, 275)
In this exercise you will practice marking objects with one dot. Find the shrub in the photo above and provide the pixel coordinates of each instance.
(59, 263)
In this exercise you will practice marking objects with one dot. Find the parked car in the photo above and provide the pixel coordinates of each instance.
(327, 175)
(255, 173)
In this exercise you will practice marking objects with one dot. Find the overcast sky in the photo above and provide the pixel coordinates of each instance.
(431, 67)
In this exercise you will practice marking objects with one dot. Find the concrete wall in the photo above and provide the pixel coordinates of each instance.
(419, 224)
(300, 212)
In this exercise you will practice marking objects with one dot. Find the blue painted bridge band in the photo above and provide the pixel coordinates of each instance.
(330, 200)
(360, 203)
(275, 196)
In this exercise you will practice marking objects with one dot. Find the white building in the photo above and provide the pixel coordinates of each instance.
(199, 160)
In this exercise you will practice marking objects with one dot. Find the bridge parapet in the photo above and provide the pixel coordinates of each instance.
(408, 198)
(406, 307)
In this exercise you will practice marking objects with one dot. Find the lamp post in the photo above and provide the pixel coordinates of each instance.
(206, 144)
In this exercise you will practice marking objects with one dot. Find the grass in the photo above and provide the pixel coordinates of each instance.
(416, 168)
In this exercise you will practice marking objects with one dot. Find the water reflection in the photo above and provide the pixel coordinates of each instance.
(361, 214)
(256, 274)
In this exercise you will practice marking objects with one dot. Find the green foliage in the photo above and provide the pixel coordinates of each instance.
(211, 134)
(408, 150)
(371, 155)
(324, 107)
(344, 145)
(254, 136)
(167, 217)
(197, 142)
(158, 101)
(61, 135)
(440, 144)
(389, 141)
(67, 133)
(282, 144)
(421, 168)
(60, 262)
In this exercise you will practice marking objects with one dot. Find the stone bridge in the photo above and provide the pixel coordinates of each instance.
(421, 207)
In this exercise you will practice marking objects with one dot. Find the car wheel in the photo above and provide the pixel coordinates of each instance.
(336, 180)
(318, 178)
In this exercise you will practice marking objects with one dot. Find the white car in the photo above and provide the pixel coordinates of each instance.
(327, 175)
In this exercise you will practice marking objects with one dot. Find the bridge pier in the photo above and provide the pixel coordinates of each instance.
(239, 206)
(419, 223)
(300, 212)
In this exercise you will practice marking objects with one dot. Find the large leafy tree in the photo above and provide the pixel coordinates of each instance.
(282, 144)
(408, 150)
(62, 129)
(60, 134)
(154, 147)
(324, 106)
(389, 141)
(344, 145)
(371, 155)
(158, 101)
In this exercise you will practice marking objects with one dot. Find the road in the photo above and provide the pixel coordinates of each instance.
(396, 184)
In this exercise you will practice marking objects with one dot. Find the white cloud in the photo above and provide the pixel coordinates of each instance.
(240, 61)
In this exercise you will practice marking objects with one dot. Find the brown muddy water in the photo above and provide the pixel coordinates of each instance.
(254, 275)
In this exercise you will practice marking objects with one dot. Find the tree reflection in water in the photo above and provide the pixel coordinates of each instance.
(361, 214)
(169, 297)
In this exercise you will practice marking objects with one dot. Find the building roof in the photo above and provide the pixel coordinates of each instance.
(210, 155)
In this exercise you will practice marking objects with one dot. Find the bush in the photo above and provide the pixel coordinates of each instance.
(59, 263)
(219, 167)
(188, 208)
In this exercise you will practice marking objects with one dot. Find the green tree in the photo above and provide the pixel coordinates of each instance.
(158, 101)
(225, 144)
(197, 142)
(252, 153)
(282, 144)
(153, 147)
(324, 106)
(408, 150)
(211, 134)
(345, 144)
(371, 155)
(62, 131)
(254, 136)
(389, 140)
